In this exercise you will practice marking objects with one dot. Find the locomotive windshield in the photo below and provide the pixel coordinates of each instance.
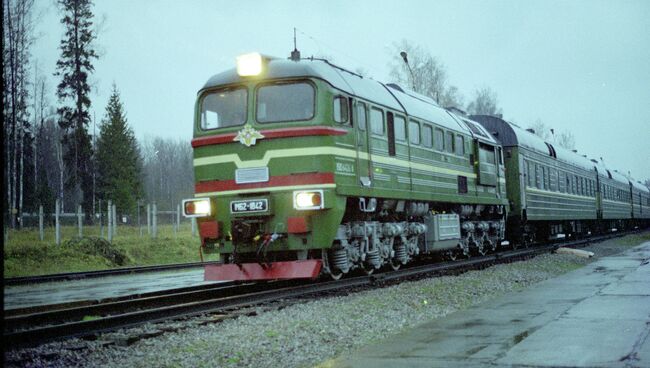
(223, 108)
(285, 102)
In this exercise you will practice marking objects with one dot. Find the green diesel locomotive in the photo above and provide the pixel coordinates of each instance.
(304, 168)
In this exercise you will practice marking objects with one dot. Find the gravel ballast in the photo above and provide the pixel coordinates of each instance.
(312, 331)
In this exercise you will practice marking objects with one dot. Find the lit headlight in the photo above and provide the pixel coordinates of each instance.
(199, 207)
(249, 64)
(308, 200)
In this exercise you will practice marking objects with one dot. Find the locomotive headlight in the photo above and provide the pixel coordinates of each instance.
(308, 200)
(249, 65)
(199, 207)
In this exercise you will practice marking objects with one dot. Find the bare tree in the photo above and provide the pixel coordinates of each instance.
(428, 77)
(566, 140)
(485, 102)
(18, 36)
(541, 130)
(167, 169)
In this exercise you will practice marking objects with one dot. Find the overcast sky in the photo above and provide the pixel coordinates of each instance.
(582, 66)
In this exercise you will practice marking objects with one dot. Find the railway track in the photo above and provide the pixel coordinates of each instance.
(30, 327)
(22, 280)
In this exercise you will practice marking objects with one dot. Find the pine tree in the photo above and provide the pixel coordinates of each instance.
(74, 67)
(118, 159)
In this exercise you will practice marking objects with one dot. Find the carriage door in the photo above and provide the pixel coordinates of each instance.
(523, 179)
(363, 145)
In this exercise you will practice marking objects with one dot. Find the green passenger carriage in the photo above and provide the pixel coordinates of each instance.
(554, 192)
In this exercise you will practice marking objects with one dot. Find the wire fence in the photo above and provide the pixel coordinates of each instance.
(107, 222)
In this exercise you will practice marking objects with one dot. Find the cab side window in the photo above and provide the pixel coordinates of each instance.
(361, 116)
(340, 110)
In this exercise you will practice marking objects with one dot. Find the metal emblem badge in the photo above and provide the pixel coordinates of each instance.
(248, 136)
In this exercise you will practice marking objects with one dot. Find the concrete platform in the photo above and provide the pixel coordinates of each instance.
(596, 316)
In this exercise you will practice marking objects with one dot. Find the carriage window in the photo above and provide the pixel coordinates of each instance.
(531, 174)
(545, 176)
(414, 132)
(377, 121)
(285, 102)
(341, 109)
(361, 116)
(538, 176)
(552, 181)
(449, 142)
(438, 140)
(460, 145)
(224, 108)
(427, 136)
(400, 129)
(574, 184)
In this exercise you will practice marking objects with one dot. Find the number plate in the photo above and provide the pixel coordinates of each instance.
(249, 206)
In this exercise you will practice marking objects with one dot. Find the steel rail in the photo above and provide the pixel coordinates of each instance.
(45, 308)
(22, 280)
(114, 307)
(187, 304)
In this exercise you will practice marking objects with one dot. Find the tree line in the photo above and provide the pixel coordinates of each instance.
(422, 72)
(50, 153)
(49, 150)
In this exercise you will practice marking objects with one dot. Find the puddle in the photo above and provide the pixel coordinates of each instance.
(520, 337)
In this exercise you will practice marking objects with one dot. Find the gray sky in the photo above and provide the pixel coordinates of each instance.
(583, 66)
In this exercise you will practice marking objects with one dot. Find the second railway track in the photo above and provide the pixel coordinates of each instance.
(30, 327)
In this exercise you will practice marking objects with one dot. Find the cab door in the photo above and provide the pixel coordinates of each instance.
(364, 158)
(487, 164)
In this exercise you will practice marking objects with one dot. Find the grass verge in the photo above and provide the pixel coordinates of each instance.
(26, 255)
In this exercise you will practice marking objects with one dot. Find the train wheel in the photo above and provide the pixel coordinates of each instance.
(394, 264)
(334, 272)
(482, 249)
(452, 255)
(367, 269)
(336, 276)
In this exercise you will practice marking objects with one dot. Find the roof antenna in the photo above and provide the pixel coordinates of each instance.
(295, 54)
(406, 61)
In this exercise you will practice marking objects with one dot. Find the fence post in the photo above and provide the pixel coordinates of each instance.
(173, 222)
(139, 224)
(80, 221)
(178, 217)
(57, 222)
(114, 213)
(149, 219)
(154, 216)
(41, 234)
(101, 223)
(193, 226)
(109, 220)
